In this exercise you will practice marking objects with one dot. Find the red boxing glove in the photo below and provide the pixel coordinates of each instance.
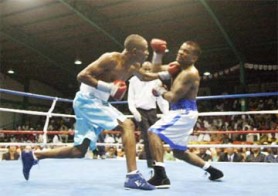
(118, 89)
(158, 91)
(173, 70)
(158, 45)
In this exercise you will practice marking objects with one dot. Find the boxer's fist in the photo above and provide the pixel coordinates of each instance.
(159, 46)
(118, 89)
(174, 69)
(158, 91)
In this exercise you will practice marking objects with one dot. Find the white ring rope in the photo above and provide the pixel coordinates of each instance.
(50, 114)
(36, 113)
(228, 113)
(237, 113)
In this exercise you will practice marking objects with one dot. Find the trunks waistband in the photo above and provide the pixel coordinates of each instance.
(184, 104)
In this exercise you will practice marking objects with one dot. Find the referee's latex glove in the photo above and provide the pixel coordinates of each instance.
(137, 116)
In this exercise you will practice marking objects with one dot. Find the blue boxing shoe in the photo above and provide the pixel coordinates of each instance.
(137, 181)
(27, 161)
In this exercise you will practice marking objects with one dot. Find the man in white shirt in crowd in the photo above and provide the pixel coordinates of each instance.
(143, 105)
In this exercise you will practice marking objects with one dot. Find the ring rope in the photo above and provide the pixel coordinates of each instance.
(265, 94)
(46, 97)
(238, 132)
(141, 145)
(237, 113)
(238, 96)
(36, 113)
(27, 132)
(71, 132)
(50, 114)
(229, 113)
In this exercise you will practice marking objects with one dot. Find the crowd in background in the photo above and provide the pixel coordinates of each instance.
(111, 151)
(255, 122)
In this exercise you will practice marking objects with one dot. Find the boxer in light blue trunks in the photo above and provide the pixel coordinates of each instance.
(175, 127)
(93, 115)
(103, 78)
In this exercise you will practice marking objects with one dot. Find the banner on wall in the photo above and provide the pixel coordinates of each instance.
(236, 67)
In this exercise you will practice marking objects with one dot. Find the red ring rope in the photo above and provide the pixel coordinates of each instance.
(17, 132)
(237, 132)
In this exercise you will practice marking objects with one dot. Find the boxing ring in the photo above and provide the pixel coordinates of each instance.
(76, 177)
(106, 176)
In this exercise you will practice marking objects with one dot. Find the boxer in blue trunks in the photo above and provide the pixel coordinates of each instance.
(103, 78)
(175, 127)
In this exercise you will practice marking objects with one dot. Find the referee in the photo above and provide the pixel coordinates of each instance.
(143, 105)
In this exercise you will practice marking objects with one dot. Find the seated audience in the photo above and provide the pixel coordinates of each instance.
(255, 156)
(273, 156)
(230, 155)
(12, 154)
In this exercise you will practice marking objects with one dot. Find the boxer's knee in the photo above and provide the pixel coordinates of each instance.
(127, 125)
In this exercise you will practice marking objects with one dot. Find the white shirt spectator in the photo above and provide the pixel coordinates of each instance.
(109, 139)
(204, 138)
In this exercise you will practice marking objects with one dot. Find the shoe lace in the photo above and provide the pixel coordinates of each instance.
(151, 173)
(205, 174)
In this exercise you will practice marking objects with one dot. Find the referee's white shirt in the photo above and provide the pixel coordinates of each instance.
(140, 95)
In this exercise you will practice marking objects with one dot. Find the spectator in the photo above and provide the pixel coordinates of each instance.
(255, 156)
(109, 138)
(64, 137)
(99, 150)
(120, 152)
(12, 154)
(111, 152)
(230, 156)
(168, 154)
(205, 154)
(204, 137)
(273, 156)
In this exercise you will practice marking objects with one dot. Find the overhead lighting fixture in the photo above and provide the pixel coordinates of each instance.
(206, 74)
(10, 71)
(77, 62)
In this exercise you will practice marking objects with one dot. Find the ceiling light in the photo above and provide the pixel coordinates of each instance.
(10, 71)
(77, 62)
(206, 74)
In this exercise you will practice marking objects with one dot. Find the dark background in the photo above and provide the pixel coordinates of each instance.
(40, 39)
